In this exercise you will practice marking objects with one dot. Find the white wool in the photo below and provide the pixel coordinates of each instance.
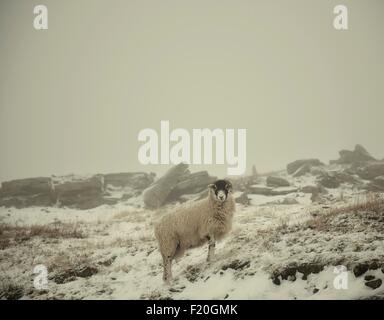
(192, 226)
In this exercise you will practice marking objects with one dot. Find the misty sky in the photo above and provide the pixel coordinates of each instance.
(74, 97)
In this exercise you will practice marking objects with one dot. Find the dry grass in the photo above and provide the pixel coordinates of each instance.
(131, 216)
(65, 261)
(9, 289)
(13, 233)
(372, 203)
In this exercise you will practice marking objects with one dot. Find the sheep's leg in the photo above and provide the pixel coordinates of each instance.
(211, 248)
(167, 275)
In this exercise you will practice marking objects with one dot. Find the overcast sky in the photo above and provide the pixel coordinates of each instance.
(74, 97)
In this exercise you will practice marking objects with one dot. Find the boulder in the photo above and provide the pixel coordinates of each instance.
(244, 182)
(191, 184)
(289, 200)
(156, 195)
(374, 284)
(304, 169)
(25, 187)
(311, 189)
(273, 181)
(317, 171)
(243, 199)
(29, 192)
(371, 170)
(308, 163)
(135, 180)
(329, 181)
(83, 194)
(266, 191)
(376, 185)
(358, 155)
(334, 179)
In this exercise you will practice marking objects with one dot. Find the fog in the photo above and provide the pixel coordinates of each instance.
(73, 98)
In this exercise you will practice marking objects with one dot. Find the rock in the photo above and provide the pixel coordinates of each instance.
(267, 191)
(243, 183)
(360, 269)
(156, 195)
(191, 184)
(289, 201)
(135, 180)
(329, 181)
(85, 271)
(334, 179)
(344, 177)
(303, 170)
(237, 265)
(85, 194)
(295, 165)
(289, 272)
(374, 284)
(312, 189)
(69, 275)
(358, 155)
(31, 186)
(23, 193)
(192, 273)
(371, 171)
(273, 181)
(369, 278)
(317, 171)
(376, 185)
(243, 199)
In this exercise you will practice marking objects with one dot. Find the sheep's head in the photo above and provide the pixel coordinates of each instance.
(220, 190)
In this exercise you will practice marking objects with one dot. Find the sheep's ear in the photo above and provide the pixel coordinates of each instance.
(211, 186)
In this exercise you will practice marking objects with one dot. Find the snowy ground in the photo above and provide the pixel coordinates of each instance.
(115, 250)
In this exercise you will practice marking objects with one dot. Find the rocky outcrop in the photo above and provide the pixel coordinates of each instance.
(333, 180)
(85, 194)
(134, 180)
(156, 195)
(376, 185)
(311, 189)
(302, 166)
(273, 181)
(243, 199)
(191, 184)
(29, 186)
(358, 155)
(27, 192)
(70, 191)
(243, 183)
(371, 170)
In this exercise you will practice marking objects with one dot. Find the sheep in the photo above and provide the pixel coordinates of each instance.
(207, 220)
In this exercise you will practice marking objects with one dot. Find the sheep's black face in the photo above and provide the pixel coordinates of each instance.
(221, 188)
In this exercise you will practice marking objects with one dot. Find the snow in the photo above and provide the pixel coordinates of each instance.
(263, 233)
